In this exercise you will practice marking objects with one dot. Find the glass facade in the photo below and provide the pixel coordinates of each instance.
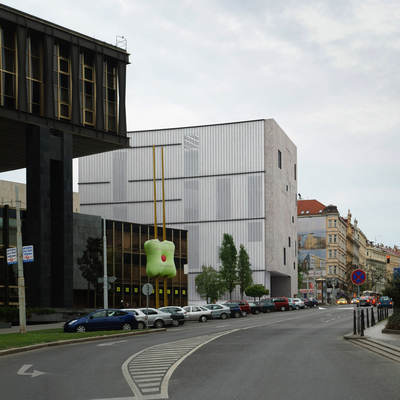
(8, 69)
(8, 273)
(34, 75)
(126, 261)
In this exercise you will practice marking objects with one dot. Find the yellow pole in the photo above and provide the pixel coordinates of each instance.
(164, 230)
(155, 218)
(155, 193)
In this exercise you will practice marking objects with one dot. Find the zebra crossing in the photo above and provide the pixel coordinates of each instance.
(148, 371)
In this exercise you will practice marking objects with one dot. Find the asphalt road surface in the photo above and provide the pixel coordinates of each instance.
(283, 355)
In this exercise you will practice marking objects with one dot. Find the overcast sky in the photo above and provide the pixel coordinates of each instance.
(326, 71)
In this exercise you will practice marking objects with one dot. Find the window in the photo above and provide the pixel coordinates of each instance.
(293, 218)
(334, 268)
(63, 98)
(295, 172)
(284, 256)
(294, 265)
(88, 90)
(334, 238)
(289, 241)
(329, 238)
(8, 69)
(287, 188)
(334, 223)
(334, 253)
(329, 223)
(110, 97)
(34, 75)
(279, 159)
(329, 253)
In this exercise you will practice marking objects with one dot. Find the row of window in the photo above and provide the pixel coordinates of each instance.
(62, 76)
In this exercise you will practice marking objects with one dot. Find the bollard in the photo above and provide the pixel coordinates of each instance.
(354, 323)
(367, 317)
(362, 323)
(372, 317)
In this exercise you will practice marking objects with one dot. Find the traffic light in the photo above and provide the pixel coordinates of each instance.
(387, 259)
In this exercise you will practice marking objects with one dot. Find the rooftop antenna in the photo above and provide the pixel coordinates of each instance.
(122, 42)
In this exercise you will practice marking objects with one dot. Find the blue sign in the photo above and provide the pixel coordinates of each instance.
(358, 277)
(27, 254)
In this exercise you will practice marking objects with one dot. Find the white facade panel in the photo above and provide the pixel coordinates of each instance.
(219, 179)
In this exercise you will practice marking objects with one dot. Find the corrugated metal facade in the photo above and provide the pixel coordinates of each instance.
(215, 184)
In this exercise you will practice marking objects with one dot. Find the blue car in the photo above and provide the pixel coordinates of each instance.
(385, 301)
(102, 320)
(236, 312)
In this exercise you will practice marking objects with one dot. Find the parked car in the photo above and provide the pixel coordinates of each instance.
(178, 314)
(197, 313)
(139, 315)
(385, 301)
(281, 303)
(255, 308)
(342, 300)
(102, 320)
(244, 307)
(310, 303)
(292, 305)
(157, 318)
(219, 311)
(299, 303)
(236, 312)
(354, 300)
(267, 305)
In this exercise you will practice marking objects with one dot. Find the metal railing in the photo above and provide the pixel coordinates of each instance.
(364, 317)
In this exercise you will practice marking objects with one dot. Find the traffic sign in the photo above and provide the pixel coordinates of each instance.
(12, 255)
(27, 253)
(147, 289)
(358, 277)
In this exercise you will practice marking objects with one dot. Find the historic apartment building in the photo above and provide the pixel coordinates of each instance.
(238, 178)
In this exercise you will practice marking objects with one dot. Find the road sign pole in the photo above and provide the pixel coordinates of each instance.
(105, 281)
(21, 280)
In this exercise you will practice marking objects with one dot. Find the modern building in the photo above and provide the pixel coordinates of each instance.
(126, 262)
(62, 95)
(238, 178)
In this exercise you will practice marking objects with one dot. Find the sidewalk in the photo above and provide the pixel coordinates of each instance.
(29, 328)
(375, 333)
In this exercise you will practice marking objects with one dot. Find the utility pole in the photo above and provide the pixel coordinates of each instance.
(105, 278)
(21, 280)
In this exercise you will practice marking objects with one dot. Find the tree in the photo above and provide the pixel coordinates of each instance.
(244, 272)
(209, 284)
(91, 263)
(256, 290)
(228, 257)
(392, 289)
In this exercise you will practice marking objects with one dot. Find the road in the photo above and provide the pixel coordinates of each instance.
(283, 355)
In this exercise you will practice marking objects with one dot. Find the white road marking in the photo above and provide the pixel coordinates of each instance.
(23, 371)
(111, 343)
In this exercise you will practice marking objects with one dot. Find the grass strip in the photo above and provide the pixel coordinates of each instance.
(11, 340)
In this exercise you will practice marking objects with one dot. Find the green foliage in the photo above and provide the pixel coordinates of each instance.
(392, 289)
(228, 257)
(394, 321)
(91, 262)
(243, 268)
(209, 284)
(256, 290)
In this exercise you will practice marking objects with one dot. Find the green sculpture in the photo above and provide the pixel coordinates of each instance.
(160, 258)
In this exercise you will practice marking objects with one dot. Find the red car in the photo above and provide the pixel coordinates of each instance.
(244, 307)
(281, 303)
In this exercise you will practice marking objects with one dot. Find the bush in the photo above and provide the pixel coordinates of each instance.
(9, 314)
(394, 321)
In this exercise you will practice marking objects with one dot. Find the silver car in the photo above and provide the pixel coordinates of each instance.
(197, 313)
(139, 315)
(157, 318)
(219, 311)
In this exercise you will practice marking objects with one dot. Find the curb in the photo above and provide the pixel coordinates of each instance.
(376, 346)
(21, 349)
(391, 331)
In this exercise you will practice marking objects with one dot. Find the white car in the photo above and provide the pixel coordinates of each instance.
(197, 313)
(298, 303)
